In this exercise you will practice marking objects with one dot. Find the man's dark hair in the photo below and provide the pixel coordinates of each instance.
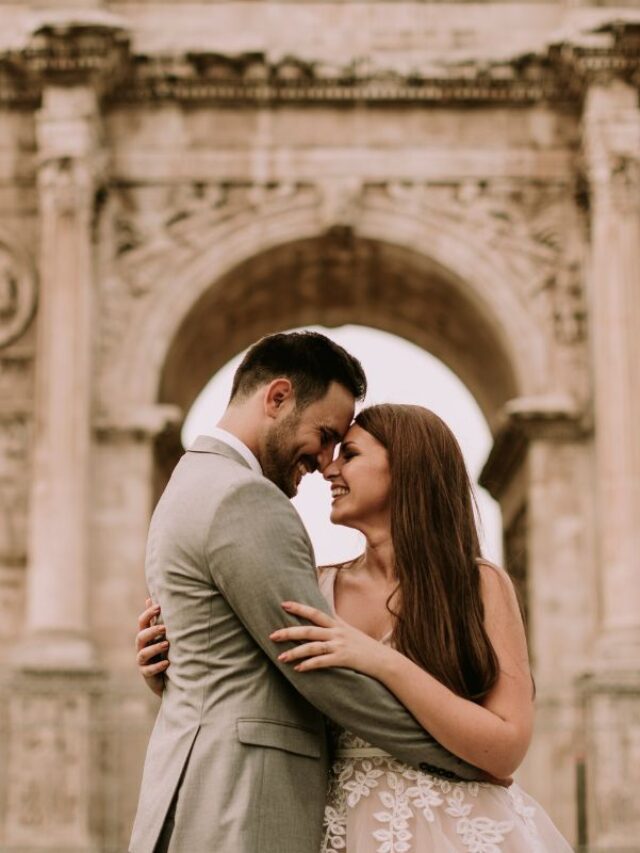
(309, 360)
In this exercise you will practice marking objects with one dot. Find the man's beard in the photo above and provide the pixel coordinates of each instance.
(280, 462)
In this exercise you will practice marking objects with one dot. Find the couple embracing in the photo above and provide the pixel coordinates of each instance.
(379, 705)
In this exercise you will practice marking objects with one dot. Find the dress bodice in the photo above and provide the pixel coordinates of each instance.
(377, 804)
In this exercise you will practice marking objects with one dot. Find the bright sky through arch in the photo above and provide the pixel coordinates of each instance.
(398, 372)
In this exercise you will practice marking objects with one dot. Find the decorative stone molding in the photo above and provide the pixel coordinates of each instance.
(253, 79)
(81, 52)
(17, 294)
(549, 418)
(167, 238)
(531, 227)
(611, 51)
(141, 424)
(149, 249)
(524, 226)
(612, 153)
(74, 53)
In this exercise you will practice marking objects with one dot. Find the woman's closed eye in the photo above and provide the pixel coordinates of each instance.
(348, 452)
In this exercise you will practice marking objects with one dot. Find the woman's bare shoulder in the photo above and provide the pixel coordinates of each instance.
(322, 571)
(496, 586)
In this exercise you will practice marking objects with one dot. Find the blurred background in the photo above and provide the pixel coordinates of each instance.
(452, 191)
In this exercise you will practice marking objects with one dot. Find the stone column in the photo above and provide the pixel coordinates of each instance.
(612, 144)
(612, 687)
(57, 620)
(539, 471)
(53, 701)
(72, 63)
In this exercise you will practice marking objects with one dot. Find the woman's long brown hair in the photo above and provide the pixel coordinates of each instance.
(438, 608)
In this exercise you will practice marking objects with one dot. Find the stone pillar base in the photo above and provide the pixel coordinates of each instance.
(611, 702)
(47, 743)
(54, 651)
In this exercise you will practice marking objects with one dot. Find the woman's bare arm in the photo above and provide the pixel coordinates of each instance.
(495, 735)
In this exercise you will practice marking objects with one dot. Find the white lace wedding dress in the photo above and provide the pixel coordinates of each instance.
(376, 804)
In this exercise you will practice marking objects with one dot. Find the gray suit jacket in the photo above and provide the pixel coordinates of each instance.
(239, 745)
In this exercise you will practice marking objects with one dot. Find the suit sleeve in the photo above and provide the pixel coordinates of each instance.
(259, 555)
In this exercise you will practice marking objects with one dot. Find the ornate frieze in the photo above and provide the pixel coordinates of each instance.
(253, 79)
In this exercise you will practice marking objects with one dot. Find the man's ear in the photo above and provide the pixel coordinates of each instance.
(278, 397)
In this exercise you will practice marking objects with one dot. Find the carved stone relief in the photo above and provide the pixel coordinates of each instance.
(16, 393)
(146, 243)
(17, 296)
(14, 447)
(625, 183)
(154, 234)
(531, 229)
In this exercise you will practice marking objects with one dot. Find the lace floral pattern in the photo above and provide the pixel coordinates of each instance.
(404, 805)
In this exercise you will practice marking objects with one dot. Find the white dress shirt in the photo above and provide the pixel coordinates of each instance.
(239, 446)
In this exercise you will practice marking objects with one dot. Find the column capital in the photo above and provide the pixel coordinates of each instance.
(552, 417)
(611, 141)
(600, 56)
(72, 160)
(76, 53)
(142, 423)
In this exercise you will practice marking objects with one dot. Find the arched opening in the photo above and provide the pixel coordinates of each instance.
(333, 280)
(398, 372)
(466, 316)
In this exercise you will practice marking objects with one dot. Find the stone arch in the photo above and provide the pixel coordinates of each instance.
(266, 270)
(335, 279)
(211, 281)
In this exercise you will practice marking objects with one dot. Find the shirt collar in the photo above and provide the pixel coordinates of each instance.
(239, 446)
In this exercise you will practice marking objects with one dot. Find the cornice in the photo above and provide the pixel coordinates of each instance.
(99, 55)
(553, 418)
(64, 54)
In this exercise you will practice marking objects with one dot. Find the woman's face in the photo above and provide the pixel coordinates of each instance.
(360, 481)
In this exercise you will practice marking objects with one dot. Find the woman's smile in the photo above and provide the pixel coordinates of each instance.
(338, 492)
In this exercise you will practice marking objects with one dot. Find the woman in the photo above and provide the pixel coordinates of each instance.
(423, 613)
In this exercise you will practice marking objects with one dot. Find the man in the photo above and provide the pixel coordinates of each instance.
(237, 759)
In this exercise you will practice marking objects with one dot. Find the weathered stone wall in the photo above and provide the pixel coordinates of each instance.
(179, 178)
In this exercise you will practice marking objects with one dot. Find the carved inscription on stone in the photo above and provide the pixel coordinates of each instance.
(17, 296)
